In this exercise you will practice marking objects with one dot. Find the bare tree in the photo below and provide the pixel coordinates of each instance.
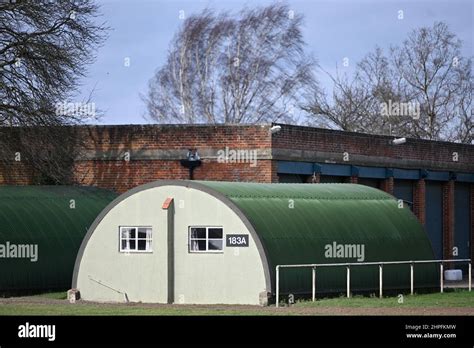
(45, 47)
(354, 104)
(463, 125)
(427, 72)
(248, 68)
(433, 71)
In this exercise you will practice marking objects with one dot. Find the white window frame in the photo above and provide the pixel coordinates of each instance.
(128, 251)
(207, 251)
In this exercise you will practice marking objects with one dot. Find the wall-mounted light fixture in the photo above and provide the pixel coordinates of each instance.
(275, 129)
(398, 141)
(192, 161)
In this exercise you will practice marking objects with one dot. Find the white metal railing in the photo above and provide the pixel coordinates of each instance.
(380, 264)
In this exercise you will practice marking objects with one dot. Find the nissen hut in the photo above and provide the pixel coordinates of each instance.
(219, 242)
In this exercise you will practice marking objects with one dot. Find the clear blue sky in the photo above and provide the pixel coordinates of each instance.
(334, 29)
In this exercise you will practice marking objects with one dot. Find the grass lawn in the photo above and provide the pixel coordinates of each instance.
(62, 295)
(56, 304)
(457, 298)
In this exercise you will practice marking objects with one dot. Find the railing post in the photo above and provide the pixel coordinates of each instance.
(277, 285)
(412, 280)
(441, 278)
(348, 281)
(380, 280)
(314, 284)
(469, 275)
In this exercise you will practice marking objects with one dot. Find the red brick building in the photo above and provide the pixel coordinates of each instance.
(436, 179)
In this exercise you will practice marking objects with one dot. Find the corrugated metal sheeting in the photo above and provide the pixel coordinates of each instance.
(297, 222)
(41, 229)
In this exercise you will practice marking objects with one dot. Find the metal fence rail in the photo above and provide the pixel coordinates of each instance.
(380, 264)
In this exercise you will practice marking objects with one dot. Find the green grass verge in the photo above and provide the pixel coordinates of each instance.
(456, 298)
(62, 295)
(30, 306)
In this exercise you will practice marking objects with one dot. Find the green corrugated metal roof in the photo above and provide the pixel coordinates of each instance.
(296, 221)
(43, 215)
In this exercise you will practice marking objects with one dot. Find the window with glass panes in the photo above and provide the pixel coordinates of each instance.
(135, 239)
(206, 239)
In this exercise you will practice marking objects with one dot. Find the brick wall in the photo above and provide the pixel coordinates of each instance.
(419, 200)
(352, 179)
(122, 175)
(16, 173)
(155, 152)
(324, 144)
(387, 185)
(167, 137)
(448, 220)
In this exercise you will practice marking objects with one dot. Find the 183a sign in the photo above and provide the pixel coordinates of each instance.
(237, 240)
